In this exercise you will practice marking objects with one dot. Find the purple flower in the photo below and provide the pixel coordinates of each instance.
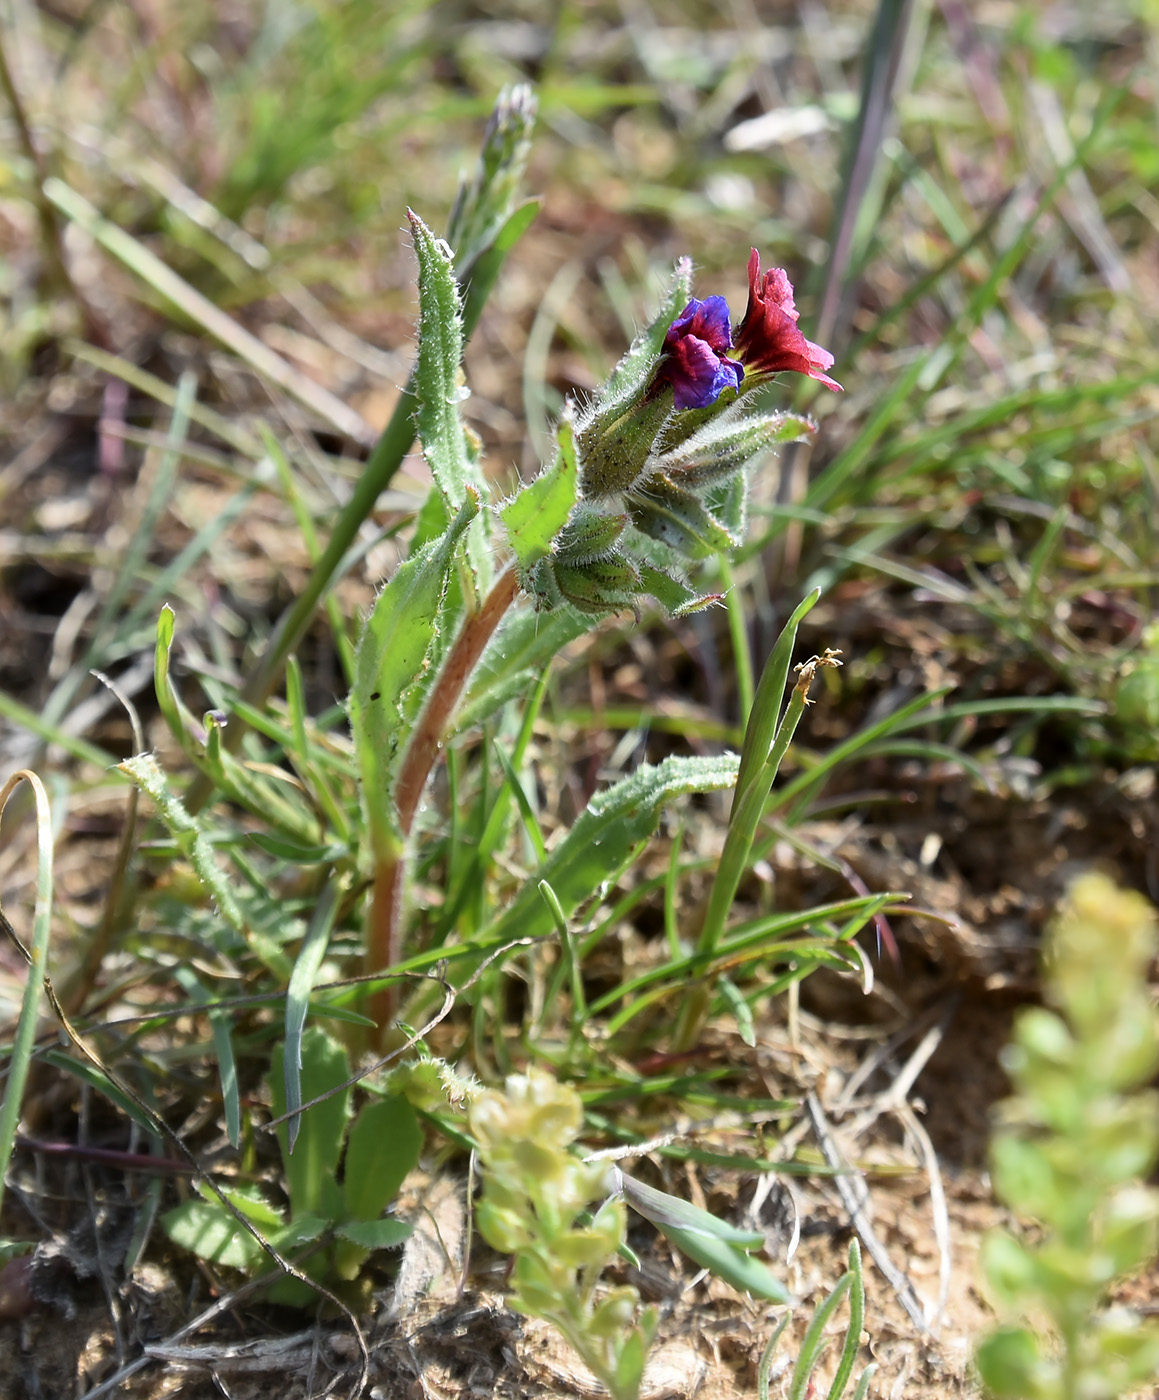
(695, 363)
(768, 339)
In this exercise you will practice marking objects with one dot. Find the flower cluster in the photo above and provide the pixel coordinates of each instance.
(663, 451)
(767, 341)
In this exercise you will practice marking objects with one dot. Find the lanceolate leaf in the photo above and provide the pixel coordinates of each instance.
(631, 375)
(437, 383)
(712, 1243)
(723, 445)
(391, 655)
(439, 388)
(605, 837)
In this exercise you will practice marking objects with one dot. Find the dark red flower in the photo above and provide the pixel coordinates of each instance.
(694, 360)
(768, 340)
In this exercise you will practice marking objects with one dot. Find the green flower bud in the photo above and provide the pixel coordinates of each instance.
(677, 518)
(615, 1312)
(502, 1228)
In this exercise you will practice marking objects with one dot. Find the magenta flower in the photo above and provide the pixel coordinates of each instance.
(767, 340)
(694, 360)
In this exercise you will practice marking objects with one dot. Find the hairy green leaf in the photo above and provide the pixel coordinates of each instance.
(605, 837)
(393, 652)
(539, 512)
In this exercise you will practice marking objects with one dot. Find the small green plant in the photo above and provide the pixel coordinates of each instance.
(342, 1218)
(536, 1195)
(1078, 1136)
(801, 1385)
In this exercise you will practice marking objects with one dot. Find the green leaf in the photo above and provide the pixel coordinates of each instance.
(189, 834)
(310, 1169)
(309, 960)
(438, 383)
(219, 1024)
(392, 653)
(604, 838)
(1010, 1364)
(100, 1081)
(486, 270)
(294, 851)
(630, 1367)
(439, 389)
(383, 1148)
(712, 1243)
(672, 1212)
(210, 1232)
(676, 598)
(253, 1205)
(856, 1319)
(376, 1234)
(724, 445)
(528, 642)
(540, 511)
(631, 376)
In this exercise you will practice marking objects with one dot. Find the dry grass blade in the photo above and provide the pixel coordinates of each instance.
(211, 318)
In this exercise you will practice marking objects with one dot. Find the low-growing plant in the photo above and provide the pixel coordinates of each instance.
(1075, 1145)
(801, 1385)
(343, 1218)
(535, 1205)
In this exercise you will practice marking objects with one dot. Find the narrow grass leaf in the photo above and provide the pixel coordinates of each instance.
(37, 955)
(814, 1339)
(856, 1319)
(219, 1025)
(98, 1080)
(302, 980)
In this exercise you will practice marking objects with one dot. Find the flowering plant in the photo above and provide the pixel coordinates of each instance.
(663, 449)
(648, 478)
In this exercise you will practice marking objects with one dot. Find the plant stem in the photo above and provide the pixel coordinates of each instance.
(748, 807)
(52, 242)
(384, 932)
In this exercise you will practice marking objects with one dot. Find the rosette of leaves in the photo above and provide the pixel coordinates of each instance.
(339, 1222)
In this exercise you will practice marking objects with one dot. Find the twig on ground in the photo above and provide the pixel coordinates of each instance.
(853, 1192)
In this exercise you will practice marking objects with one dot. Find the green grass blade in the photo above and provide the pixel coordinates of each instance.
(37, 957)
(219, 1026)
(302, 980)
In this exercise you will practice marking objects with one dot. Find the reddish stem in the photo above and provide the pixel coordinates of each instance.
(384, 935)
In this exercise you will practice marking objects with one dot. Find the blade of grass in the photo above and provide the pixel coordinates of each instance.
(37, 960)
(198, 308)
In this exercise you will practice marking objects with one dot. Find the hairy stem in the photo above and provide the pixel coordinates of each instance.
(384, 932)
